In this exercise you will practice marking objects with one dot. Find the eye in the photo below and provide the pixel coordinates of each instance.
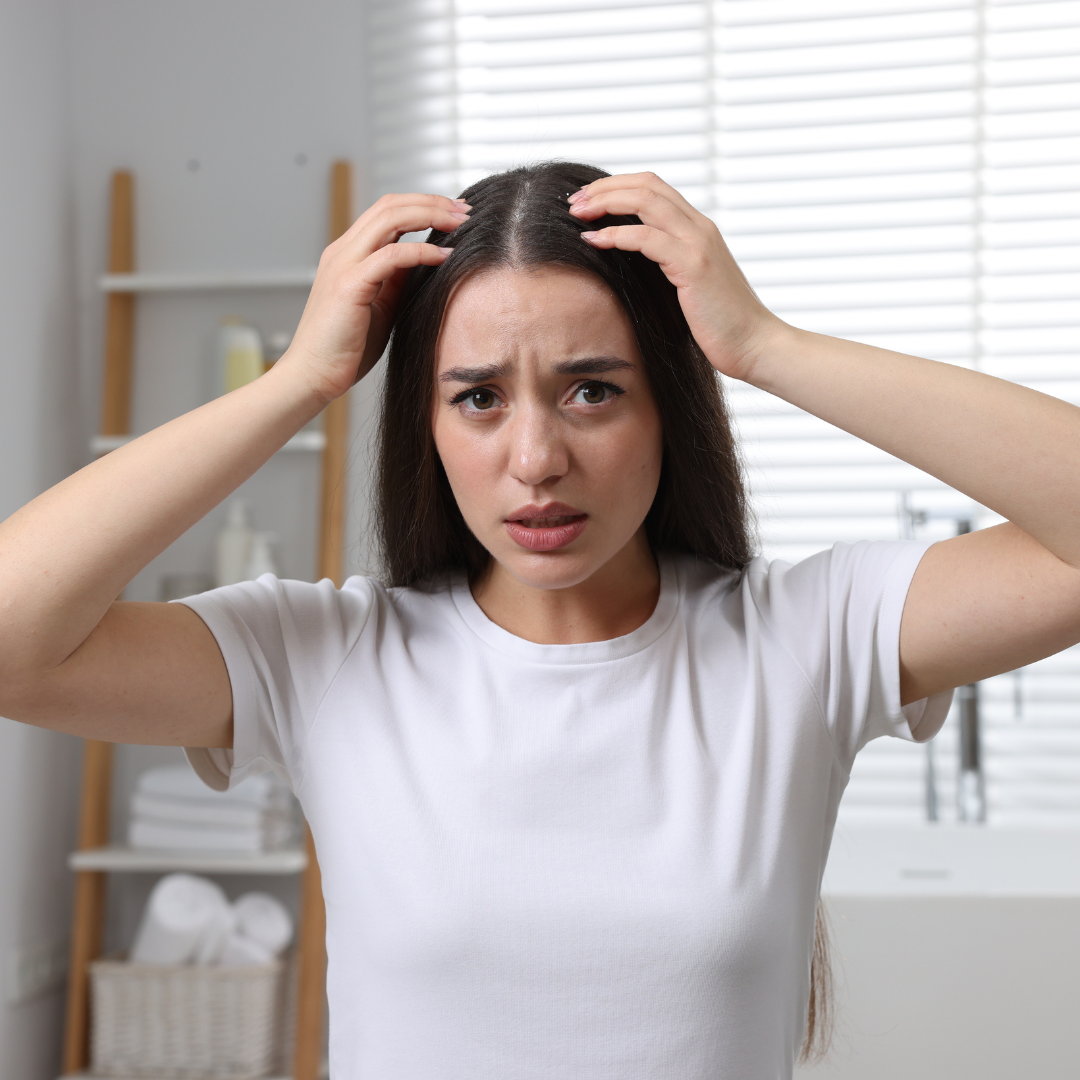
(595, 393)
(482, 400)
(476, 400)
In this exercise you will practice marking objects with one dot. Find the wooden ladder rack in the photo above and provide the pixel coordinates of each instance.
(88, 919)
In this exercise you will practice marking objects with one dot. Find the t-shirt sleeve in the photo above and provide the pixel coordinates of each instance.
(838, 615)
(283, 643)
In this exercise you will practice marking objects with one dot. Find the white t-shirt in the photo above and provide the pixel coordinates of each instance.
(570, 862)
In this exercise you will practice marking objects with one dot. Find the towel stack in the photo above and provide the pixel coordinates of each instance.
(189, 920)
(173, 809)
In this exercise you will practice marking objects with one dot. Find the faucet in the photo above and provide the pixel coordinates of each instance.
(970, 781)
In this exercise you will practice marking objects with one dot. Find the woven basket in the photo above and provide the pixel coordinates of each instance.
(185, 1022)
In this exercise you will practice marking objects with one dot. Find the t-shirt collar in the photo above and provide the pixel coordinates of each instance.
(587, 652)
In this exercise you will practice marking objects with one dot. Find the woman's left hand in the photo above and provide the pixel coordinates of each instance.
(726, 317)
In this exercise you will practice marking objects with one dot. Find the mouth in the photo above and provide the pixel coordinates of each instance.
(545, 528)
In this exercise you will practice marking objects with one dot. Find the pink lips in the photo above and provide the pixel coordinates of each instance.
(546, 528)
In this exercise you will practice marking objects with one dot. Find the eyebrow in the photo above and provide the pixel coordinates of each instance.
(586, 365)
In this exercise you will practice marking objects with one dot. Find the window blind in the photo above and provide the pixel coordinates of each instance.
(901, 172)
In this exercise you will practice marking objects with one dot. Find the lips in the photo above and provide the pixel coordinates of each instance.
(545, 528)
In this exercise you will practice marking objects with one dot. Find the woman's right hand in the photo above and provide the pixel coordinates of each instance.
(349, 313)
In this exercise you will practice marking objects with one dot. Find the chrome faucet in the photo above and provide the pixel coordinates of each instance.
(970, 780)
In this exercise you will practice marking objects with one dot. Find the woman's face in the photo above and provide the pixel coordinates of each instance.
(545, 422)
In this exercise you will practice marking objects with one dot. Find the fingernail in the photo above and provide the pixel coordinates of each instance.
(589, 235)
(460, 217)
(462, 203)
(446, 251)
(578, 207)
(577, 195)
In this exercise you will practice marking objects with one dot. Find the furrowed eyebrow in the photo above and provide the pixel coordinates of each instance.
(476, 374)
(593, 365)
(587, 365)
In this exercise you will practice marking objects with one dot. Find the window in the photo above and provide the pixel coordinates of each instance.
(901, 172)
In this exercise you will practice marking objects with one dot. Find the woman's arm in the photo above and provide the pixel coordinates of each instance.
(74, 660)
(978, 604)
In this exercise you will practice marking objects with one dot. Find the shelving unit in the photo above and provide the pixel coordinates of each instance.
(96, 857)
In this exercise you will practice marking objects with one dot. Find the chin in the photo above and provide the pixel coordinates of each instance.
(550, 570)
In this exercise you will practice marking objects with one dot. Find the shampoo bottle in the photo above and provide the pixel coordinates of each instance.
(261, 557)
(234, 544)
(240, 353)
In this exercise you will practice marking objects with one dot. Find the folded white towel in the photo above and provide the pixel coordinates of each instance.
(262, 918)
(143, 833)
(180, 782)
(232, 815)
(181, 911)
(240, 950)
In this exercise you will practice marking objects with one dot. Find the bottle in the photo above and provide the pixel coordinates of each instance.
(276, 344)
(260, 558)
(234, 544)
(240, 354)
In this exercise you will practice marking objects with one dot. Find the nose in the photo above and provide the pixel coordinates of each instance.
(537, 450)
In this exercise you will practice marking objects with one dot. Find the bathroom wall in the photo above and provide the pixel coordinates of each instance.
(229, 113)
(38, 770)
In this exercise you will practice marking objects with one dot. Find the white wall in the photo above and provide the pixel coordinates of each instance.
(229, 112)
(38, 770)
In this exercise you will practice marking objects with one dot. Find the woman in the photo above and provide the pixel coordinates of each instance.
(572, 778)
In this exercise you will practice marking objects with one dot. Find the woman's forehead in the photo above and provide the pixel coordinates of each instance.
(551, 312)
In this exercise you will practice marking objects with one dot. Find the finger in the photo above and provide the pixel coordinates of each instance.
(395, 222)
(387, 261)
(648, 180)
(400, 199)
(661, 247)
(653, 207)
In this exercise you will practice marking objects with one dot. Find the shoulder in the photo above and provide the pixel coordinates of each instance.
(847, 577)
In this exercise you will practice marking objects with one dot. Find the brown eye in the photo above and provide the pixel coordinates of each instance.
(593, 393)
(481, 400)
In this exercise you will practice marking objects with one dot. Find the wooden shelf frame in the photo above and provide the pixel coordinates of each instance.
(121, 285)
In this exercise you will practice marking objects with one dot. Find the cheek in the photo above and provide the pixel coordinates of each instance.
(468, 461)
(620, 465)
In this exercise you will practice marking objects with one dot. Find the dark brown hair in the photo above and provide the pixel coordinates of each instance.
(521, 219)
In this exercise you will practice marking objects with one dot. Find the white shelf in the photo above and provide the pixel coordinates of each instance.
(98, 1076)
(301, 278)
(118, 857)
(303, 441)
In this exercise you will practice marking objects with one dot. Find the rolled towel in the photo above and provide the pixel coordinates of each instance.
(262, 919)
(240, 950)
(216, 934)
(178, 913)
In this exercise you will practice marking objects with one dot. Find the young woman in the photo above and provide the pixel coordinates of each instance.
(572, 776)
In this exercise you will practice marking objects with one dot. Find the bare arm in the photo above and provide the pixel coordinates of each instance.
(979, 604)
(74, 660)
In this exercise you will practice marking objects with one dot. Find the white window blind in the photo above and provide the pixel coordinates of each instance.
(901, 172)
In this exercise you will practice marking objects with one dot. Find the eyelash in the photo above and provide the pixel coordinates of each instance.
(462, 396)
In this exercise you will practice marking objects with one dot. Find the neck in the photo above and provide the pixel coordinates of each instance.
(614, 601)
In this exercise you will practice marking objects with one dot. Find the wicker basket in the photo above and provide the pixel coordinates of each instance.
(184, 1022)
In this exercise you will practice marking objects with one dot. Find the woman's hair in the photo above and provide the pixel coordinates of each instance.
(521, 220)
